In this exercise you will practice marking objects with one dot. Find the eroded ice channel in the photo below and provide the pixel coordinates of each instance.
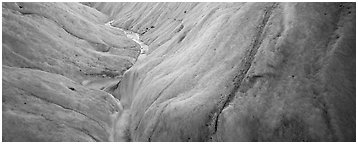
(104, 83)
(135, 37)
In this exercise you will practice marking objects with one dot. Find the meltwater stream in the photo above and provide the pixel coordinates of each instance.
(135, 37)
(119, 131)
(104, 83)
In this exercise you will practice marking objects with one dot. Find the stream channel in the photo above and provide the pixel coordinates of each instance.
(102, 84)
(119, 131)
(135, 37)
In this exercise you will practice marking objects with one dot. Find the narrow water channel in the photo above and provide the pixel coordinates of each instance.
(120, 129)
(135, 37)
(104, 83)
